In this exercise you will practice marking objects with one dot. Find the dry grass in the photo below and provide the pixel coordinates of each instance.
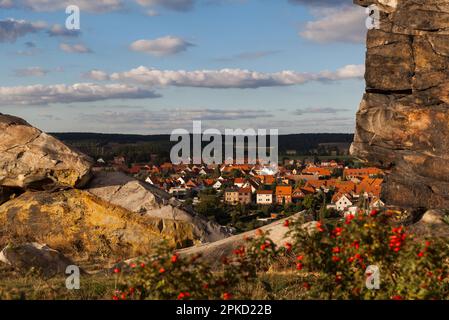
(31, 286)
(13, 286)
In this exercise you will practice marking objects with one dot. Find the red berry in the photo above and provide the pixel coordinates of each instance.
(227, 296)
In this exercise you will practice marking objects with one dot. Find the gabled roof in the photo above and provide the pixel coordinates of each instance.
(284, 190)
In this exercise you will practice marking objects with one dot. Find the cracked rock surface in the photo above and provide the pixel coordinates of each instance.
(32, 159)
(145, 199)
(403, 120)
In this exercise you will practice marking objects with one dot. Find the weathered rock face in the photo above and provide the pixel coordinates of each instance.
(85, 227)
(403, 120)
(433, 223)
(31, 159)
(142, 198)
(39, 257)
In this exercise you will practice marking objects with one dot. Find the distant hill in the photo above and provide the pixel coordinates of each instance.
(139, 148)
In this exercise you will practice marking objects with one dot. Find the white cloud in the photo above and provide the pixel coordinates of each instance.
(74, 48)
(31, 72)
(61, 93)
(164, 46)
(11, 29)
(232, 78)
(339, 24)
(97, 75)
(96, 6)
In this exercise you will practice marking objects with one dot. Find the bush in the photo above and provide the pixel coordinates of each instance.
(169, 276)
(340, 254)
(332, 261)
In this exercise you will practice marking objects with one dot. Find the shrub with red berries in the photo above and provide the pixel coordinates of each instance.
(170, 276)
(338, 254)
(330, 260)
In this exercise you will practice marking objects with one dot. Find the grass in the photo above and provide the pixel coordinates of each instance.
(16, 286)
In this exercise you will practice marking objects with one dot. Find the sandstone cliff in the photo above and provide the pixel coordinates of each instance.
(403, 120)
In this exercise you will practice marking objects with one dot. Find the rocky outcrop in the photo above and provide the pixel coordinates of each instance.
(37, 257)
(145, 199)
(31, 159)
(434, 223)
(402, 123)
(277, 232)
(84, 227)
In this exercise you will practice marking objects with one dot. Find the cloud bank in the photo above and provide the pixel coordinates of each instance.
(61, 93)
(231, 78)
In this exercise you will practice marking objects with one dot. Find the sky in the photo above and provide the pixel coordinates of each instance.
(151, 66)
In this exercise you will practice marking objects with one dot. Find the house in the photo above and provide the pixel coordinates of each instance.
(208, 183)
(316, 184)
(284, 194)
(341, 186)
(231, 196)
(217, 185)
(342, 201)
(191, 185)
(370, 187)
(239, 182)
(264, 197)
(362, 172)
(376, 203)
(320, 172)
(245, 195)
(297, 195)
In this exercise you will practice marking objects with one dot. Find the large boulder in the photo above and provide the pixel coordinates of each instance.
(434, 223)
(32, 159)
(402, 123)
(37, 257)
(145, 199)
(82, 226)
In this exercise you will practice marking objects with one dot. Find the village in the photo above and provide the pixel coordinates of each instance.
(244, 196)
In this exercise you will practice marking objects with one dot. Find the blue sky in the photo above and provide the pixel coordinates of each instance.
(149, 66)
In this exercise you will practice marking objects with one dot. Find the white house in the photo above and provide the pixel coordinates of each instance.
(343, 203)
(217, 185)
(376, 204)
(264, 197)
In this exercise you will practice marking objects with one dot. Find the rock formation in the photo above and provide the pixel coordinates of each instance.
(114, 216)
(31, 159)
(277, 232)
(403, 120)
(145, 199)
(433, 222)
(83, 226)
(38, 257)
